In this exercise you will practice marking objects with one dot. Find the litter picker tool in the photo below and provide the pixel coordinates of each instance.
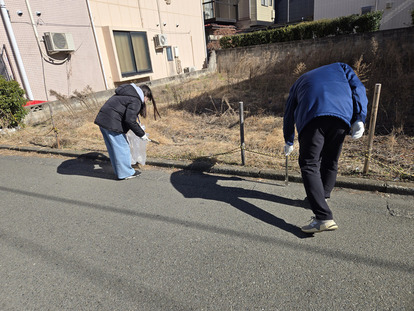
(287, 171)
(154, 141)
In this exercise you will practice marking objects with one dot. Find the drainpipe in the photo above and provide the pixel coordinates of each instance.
(32, 20)
(97, 45)
(250, 12)
(159, 17)
(288, 12)
(16, 51)
(140, 14)
(204, 31)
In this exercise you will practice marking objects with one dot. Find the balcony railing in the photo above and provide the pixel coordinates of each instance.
(220, 11)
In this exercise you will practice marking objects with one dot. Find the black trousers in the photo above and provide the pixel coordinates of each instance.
(320, 145)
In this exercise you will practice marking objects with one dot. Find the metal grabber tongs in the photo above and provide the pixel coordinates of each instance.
(286, 171)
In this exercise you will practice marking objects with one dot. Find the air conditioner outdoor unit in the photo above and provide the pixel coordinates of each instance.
(59, 42)
(160, 41)
(189, 69)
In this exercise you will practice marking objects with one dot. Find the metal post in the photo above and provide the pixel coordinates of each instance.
(242, 146)
(288, 12)
(372, 122)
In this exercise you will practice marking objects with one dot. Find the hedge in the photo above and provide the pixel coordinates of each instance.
(412, 17)
(307, 30)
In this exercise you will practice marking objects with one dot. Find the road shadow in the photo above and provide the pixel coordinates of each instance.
(206, 186)
(92, 164)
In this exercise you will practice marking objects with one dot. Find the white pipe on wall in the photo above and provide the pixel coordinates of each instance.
(32, 20)
(159, 17)
(16, 50)
(204, 33)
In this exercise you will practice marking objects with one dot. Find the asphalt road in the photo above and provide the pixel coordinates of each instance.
(74, 238)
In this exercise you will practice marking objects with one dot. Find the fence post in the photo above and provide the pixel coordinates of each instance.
(242, 146)
(372, 123)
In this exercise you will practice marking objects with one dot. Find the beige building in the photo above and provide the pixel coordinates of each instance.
(255, 13)
(59, 47)
(141, 40)
(396, 13)
(242, 13)
(227, 17)
(71, 63)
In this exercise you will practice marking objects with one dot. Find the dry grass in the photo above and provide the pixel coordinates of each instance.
(200, 119)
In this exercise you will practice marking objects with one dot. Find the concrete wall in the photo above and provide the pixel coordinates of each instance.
(42, 112)
(333, 49)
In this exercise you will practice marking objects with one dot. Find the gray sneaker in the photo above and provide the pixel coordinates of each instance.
(319, 226)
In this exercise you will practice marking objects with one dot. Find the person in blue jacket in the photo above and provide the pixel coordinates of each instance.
(118, 115)
(326, 104)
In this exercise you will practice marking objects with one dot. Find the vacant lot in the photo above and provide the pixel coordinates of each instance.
(199, 121)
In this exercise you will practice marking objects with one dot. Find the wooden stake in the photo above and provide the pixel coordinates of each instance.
(372, 123)
(242, 132)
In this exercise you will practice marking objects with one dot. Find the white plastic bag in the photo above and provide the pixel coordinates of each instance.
(138, 148)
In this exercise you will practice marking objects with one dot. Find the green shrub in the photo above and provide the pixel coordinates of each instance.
(368, 22)
(412, 17)
(12, 101)
(307, 30)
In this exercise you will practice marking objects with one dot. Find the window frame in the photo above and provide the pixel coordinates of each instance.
(169, 52)
(133, 58)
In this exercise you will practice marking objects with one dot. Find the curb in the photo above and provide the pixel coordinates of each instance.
(205, 166)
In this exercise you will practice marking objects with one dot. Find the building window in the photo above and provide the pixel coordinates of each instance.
(366, 9)
(168, 49)
(267, 2)
(133, 52)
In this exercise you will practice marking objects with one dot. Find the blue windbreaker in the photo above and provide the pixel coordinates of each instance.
(331, 90)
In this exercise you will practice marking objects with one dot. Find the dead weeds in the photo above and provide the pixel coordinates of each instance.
(197, 123)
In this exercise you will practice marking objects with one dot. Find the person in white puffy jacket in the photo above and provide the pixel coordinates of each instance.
(325, 104)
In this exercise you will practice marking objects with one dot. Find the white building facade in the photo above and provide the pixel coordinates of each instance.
(397, 13)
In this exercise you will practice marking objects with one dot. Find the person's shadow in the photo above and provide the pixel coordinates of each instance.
(93, 164)
(206, 186)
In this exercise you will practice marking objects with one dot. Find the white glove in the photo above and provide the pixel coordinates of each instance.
(145, 137)
(357, 129)
(288, 149)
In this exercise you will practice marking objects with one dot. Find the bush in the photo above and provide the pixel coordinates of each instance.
(368, 22)
(307, 30)
(12, 101)
(412, 17)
